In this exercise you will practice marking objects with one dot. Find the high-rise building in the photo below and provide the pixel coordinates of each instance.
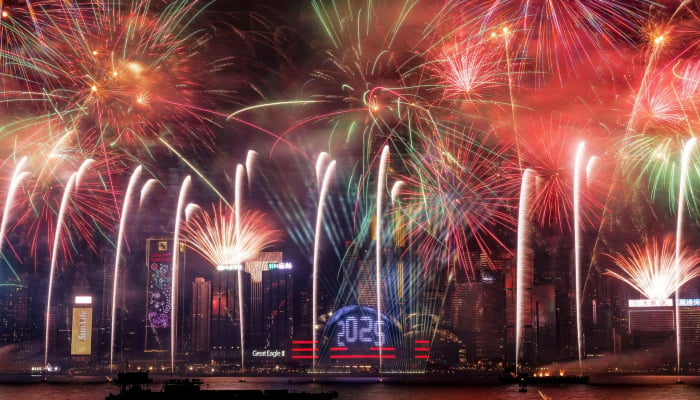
(201, 312)
(278, 306)
(14, 301)
(544, 327)
(256, 324)
(226, 317)
(159, 293)
(474, 310)
(652, 327)
(689, 312)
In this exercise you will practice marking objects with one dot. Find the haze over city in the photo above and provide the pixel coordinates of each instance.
(349, 187)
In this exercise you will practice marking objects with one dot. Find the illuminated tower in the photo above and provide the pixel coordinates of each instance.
(201, 312)
(256, 323)
(225, 318)
(159, 292)
(278, 306)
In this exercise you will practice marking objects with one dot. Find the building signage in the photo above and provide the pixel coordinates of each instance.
(229, 267)
(81, 332)
(651, 303)
(83, 299)
(158, 294)
(269, 353)
(689, 302)
(281, 265)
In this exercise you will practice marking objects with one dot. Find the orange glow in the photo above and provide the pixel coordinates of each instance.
(134, 67)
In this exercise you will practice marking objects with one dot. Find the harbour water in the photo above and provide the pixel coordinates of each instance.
(610, 388)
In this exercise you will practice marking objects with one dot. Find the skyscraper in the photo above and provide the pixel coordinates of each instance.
(201, 312)
(225, 315)
(159, 292)
(255, 267)
(278, 307)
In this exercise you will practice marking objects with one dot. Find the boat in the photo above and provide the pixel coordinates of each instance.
(137, 386)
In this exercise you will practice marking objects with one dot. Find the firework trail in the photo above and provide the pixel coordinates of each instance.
(92, 208)
(323, 182)
(559, 37)
(118, 257)
(122, 74)
(459, 202)
(70, 187)
(548, 152)
(17, 177)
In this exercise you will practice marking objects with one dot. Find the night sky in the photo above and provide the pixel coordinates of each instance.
(466, 95)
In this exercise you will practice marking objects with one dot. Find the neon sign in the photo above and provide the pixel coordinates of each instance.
(83, 299)
(281, 265)
(689, 302)
(650, 303)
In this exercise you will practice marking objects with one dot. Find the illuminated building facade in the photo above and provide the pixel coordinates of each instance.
(475, 312)
(159, 292)
(257, 321)
(652, 327)
(278, 306)
(201, 315)
(225, 315)
(14, 299)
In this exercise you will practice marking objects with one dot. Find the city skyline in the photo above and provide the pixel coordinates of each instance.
(419, 164)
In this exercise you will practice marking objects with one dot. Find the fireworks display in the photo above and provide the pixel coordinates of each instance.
(213, 235)
(651, 269)
(465, 96)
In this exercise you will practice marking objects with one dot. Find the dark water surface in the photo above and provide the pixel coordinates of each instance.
(613, 388)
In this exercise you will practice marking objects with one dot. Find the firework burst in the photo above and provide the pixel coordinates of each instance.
(561, 36)
(213, 235)
(122, 74)
(468, 70)
(549, 152)
(92, 211)
(651, 269)
(455, 202)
